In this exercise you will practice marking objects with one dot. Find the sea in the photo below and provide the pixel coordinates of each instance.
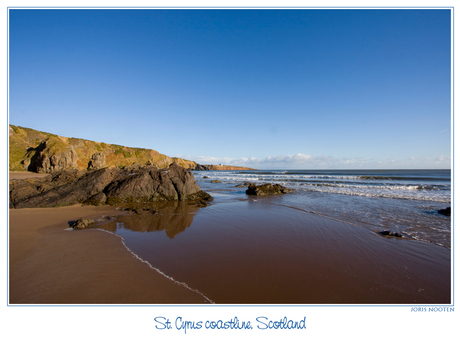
(403, 201)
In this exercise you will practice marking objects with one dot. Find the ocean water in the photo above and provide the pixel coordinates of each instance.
(404, 201)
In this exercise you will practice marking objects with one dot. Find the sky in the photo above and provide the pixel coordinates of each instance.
(264, 88)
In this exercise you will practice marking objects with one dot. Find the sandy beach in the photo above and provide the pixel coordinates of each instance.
(49, 265)
(14, 175)
(233, 252)
(239, 250)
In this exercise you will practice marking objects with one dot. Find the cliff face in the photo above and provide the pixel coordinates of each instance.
(42, 152)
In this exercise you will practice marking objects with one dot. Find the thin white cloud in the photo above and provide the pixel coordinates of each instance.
(307, 161)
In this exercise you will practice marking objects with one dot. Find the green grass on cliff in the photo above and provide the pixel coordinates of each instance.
(22, 139)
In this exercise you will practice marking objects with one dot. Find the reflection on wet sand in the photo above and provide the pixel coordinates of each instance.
(172, 217)
(252, 252)
(256, 252)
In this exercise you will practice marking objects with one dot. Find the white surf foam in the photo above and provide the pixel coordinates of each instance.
(156, 269)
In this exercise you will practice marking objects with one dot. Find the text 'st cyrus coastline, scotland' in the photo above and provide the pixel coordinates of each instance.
(99, 223)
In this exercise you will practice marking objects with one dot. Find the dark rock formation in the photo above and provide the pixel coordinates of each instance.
(445, 211)
(22, 190)
(82, 223)
(70, 190)
(215, 181)
(390, 234)
(267, 189)
(135, 167)
(147, 185)
(96, 200)
(97, 161)
(205, 177)
(107, 185)
(183, 181)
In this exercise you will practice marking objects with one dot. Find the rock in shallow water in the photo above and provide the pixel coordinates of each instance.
(445, 211)
(390, 234)
(82, 223)
(267, 189)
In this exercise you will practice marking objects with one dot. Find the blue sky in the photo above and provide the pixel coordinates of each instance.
(261, 88)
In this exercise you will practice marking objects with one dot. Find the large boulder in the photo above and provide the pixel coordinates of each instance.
(183, 181)
(267, 189)
(152, 184)
(149, 184)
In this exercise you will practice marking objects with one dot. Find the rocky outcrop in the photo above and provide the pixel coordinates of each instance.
(70, 190)
(109, 185)
(267, 189)
(22, 190)
(149, 184)
(152, 184)
(97, 161)
(48, 157)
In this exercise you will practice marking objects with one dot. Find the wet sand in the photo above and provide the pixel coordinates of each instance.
(16, 175)
(248, 251)
(255, 252)
(50, 265)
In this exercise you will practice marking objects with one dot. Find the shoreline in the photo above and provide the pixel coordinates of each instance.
(49, 265)
(231, 239)
(251, 252)
(402, 201)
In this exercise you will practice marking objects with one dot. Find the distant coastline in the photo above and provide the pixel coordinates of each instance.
(222, 168)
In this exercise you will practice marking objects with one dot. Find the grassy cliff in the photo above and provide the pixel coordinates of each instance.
(26, 146)
(24, 143)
